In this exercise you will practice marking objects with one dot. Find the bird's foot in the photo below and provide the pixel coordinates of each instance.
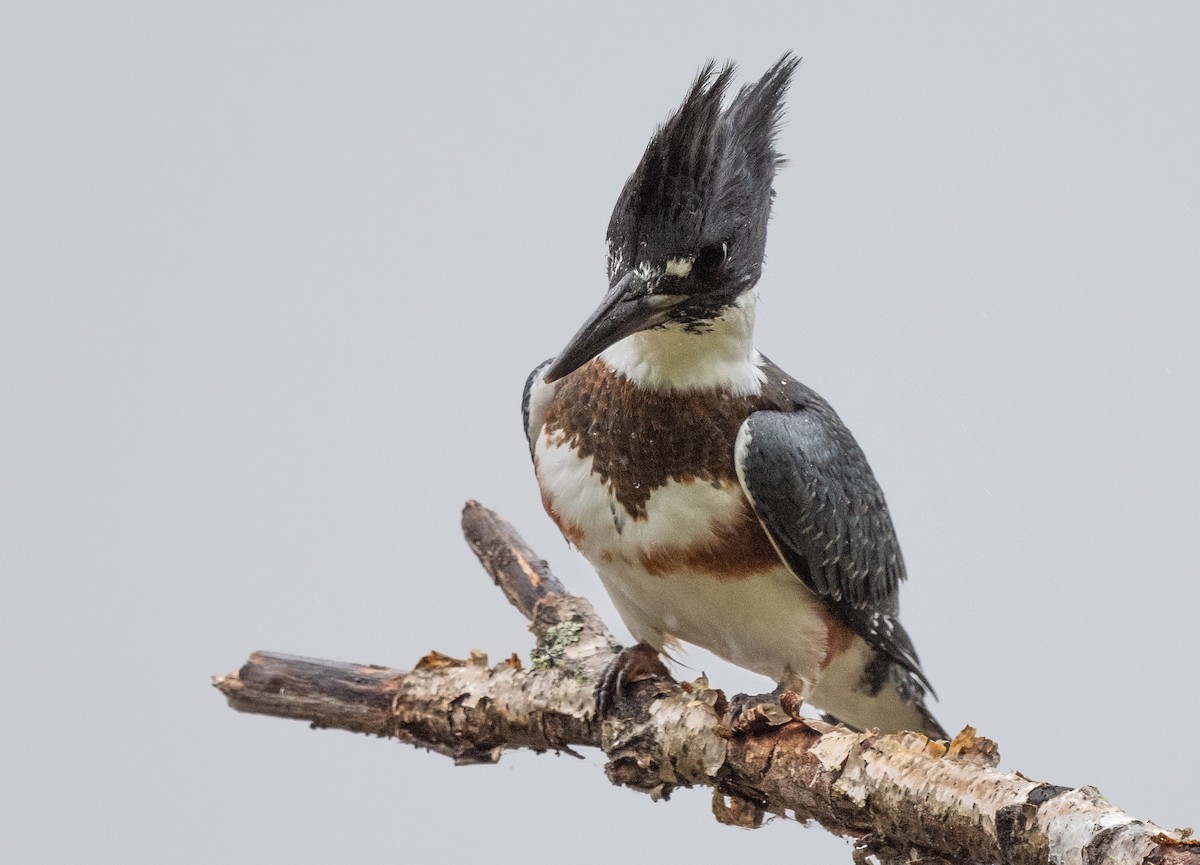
(751, 712)
(635, 664)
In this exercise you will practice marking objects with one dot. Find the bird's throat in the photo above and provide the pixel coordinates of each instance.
(718, 355)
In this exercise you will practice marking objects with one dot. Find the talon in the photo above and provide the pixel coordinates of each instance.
(749, 712)
(631, 666)
(791, 702)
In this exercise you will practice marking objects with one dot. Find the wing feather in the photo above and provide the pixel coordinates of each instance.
(534, 399)
(817, 498)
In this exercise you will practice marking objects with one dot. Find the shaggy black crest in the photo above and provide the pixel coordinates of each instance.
(705, 178)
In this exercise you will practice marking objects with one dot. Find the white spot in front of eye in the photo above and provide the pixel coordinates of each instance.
(679, 266)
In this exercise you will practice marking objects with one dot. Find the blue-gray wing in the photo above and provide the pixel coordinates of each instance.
(818, 500)
(533, 401)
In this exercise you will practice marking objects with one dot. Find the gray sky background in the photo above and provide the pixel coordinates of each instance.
(272, 278)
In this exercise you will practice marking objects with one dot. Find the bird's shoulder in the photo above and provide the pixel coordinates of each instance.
(790, 414)
(785, 393)
(535, 398)
(816, 494)
(811, 487)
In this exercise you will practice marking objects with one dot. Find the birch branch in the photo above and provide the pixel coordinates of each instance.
(903, 798)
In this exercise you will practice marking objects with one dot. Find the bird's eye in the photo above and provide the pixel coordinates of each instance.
(711, 258)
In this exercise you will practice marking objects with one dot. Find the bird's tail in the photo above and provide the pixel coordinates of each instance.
(913, 716)
(891, 701)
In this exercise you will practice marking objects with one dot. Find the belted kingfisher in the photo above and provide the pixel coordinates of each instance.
(722, 502)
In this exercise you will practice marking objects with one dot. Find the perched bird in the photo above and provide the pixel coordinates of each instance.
(722, 502)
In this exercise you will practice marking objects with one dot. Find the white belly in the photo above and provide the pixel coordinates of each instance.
(766, 621)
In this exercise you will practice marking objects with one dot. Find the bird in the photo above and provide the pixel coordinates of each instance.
(721, 502)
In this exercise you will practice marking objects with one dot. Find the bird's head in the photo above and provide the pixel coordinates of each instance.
(687, 235)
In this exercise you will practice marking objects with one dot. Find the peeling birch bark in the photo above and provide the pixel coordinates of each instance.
(903, 797)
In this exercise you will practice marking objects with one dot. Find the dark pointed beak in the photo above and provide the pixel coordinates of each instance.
(627, 308)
